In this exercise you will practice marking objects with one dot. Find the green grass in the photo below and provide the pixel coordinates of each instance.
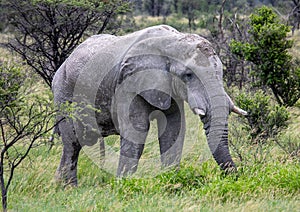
(261, 187)
(199, 185)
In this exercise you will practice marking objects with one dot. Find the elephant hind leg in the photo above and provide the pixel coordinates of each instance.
(67, 170)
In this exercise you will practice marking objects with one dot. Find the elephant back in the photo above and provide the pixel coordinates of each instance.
(98, 58)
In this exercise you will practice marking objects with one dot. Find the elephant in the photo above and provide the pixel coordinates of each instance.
(119, 83)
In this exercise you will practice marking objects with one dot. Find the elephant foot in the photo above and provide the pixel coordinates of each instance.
(171, 160)
(66, 173)
(229, 168)
(64, 178)
(127, 166)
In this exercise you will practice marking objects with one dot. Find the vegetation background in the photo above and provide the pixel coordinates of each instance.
(265, 145)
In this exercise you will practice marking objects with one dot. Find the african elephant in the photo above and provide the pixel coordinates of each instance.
(119, 83)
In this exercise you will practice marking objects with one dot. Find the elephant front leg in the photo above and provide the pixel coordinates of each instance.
(67, 170)
(171, 130)
(130, 153)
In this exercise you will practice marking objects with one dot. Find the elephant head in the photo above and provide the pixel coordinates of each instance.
(185, 67)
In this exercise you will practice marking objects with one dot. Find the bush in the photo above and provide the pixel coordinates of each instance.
(266, 119)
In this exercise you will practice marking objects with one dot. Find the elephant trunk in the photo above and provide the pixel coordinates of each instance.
(216, 130)
(221, 153)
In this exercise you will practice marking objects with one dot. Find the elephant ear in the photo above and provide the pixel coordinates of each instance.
(157, 98)
(151, 78)
(151, 56)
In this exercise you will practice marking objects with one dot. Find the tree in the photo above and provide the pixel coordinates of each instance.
(224, 27)
(267, 49)
(47, 31)
(24, 120)
(175, 5)
(158, 7)
(189, 8)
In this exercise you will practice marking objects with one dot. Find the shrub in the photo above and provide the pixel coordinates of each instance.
(266, 119)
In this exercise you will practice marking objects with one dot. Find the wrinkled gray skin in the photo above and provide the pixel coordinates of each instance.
(133, 79)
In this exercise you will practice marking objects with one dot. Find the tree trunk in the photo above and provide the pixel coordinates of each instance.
(175, 3)
(3, 191)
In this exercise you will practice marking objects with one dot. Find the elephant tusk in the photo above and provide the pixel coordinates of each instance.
(236, 109)
(199, 111)
(239, 111)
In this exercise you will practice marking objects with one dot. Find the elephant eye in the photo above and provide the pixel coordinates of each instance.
(187, 77)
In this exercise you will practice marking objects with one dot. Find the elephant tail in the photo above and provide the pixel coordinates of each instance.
(54, 131)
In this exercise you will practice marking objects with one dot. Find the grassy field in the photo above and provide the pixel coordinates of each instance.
(269, 185)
